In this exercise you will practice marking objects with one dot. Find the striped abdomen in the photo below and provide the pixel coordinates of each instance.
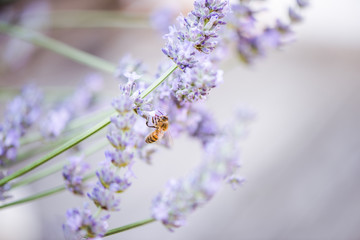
(154, 136)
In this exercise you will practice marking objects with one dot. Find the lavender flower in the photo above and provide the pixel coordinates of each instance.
(82, 224)
(57, 119)
(128, 65)
(104, 198)
(119, 158)
(20, 114)
(294, 16)
(161, 18)
(73, 175)
(302, 3)
(235, 181)
(183, 196)
(195, 83)
(196, 33)
(252, 41)
(110, 179)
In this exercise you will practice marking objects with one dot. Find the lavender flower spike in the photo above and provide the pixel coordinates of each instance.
(195, 34)
(82, 224)
(20, 114)
(104, 198)
(73, 175)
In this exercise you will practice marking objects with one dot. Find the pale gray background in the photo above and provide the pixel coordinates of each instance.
(301, 160)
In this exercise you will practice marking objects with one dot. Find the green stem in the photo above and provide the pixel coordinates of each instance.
(42, 194)
(58, 47)
(91, 18)
(129, 226)
(36, 196)
(158, 81)
(57, 167)
(59, 150)
(75, 124)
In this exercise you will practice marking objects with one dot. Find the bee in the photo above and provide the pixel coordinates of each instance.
(161, 125)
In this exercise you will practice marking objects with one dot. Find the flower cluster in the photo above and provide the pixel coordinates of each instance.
(83, 224)
(21, 113)
(195, 34)
(252, 41)
(73, 175)
(122, 138)
(183, 196)
(57, 119)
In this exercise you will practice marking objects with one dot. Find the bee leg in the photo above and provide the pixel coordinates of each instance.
(147, 124)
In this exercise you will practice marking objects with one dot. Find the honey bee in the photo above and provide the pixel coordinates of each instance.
(161, 125)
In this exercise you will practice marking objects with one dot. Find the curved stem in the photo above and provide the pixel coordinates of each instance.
(57, 151)
(129, 226)
(36, 196)
(96, 18)
(58, 47)
(57, 167)
(158, 81)
(42, 194)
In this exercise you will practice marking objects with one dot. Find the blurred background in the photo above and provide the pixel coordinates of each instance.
(301, 159)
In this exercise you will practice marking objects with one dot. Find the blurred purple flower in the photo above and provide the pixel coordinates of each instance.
(55, 122)
(104, 198)
(128, 65)
(20, 114)
(73, 174)
(302, 3)
(235, 181)
(109, 179)
(82, 224)
(162, 18)
(119, 158)
(221, 160)
(294, 16)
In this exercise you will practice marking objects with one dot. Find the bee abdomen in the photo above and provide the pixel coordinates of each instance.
(151, 138)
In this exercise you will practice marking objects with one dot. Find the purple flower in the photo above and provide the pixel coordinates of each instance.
(120, 158)
(20, 114)
(120, 140)
(110, 179)
(235, 181)
(183, 196)
(295, 17)
(196, 83)
(55, 122)
(302, 3)
(128, 65)
(104, 198)
(82, 224)
(161, 18)
(195, 34)
(73, 175)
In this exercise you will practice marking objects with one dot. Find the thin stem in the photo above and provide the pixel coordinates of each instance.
(98, 212)
(58, 47)
(75, 124)
(91, 18)
(57, 167)
(129, 226)
(42, 194)
(59, 150)
(36, 196)
(158, 81)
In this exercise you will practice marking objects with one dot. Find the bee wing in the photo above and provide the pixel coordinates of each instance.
(167, 139)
